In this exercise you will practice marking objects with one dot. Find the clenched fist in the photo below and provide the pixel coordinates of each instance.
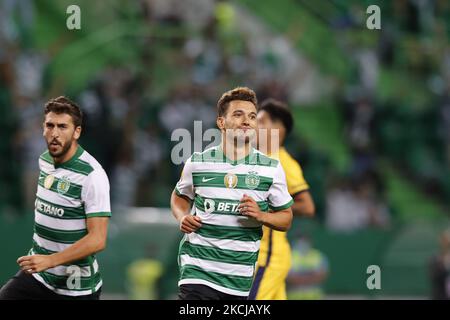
(190, 223)
(249, 207)
(35, 263)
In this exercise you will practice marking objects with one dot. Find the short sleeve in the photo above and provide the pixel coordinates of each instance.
(95, 194)
(279, 197)
(294, 177)
(185, 186)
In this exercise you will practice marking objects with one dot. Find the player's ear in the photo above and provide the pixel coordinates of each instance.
(220, 121)
(43, 127)
(77, 133)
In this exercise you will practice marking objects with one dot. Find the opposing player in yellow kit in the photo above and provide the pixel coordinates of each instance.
(274, 261)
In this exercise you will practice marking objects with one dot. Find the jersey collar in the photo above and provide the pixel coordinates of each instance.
(247, 159)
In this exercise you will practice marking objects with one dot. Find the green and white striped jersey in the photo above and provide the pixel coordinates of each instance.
(68, 194)
(222, 253)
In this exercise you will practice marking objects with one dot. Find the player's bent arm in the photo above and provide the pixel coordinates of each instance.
(180, 206)
(93, 242)
(303, 205)
(278, 220)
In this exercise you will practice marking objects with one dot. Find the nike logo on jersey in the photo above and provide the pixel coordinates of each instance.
(206, 180)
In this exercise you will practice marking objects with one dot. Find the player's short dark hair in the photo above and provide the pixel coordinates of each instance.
(278, 110)
(64, 105)
(239, 93)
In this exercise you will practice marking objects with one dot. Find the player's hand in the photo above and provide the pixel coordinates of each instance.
(190, 223)
(249, 207)
(35, 263)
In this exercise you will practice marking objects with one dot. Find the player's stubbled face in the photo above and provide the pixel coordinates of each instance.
(58, 133)
(240, 120)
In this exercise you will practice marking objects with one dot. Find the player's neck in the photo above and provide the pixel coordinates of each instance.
(68, 155)
(235, 151)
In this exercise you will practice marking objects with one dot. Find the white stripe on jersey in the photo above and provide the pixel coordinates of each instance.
(50, 245)
(231, 194)
(228, 244)
(87, 157)
(59, 224)
(219, 267)
(58, 199)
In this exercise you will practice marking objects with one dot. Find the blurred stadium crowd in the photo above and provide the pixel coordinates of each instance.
(389, 91)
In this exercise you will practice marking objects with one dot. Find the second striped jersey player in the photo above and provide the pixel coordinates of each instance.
(68, 194)
(72, 211)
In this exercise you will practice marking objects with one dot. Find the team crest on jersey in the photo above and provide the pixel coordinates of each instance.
(48, 182)
(63, 185)
(252, 180)
(230, 180)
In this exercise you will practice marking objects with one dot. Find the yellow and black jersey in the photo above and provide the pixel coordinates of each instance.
(274, 259)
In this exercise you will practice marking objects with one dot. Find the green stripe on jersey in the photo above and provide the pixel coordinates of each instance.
(225, 206)
(98, 214)
(78, 166)
(74, 190)
(61, 282)
(46, 157)
(61, 236)
(219, 255)
(54, 210)
(75, 164)
(285, 206)
(232, 233)
(216, 179)
(239, 283)
(215, 155)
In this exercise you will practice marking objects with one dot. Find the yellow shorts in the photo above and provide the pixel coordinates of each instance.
(269, 283)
